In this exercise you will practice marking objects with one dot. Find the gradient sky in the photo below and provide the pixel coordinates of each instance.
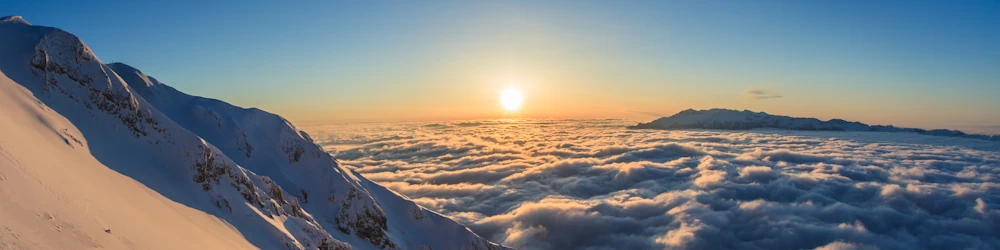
(922, 64)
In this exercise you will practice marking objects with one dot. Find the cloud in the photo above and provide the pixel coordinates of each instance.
(760, 94)
(840, 245)
(649, 113)
(594, 185)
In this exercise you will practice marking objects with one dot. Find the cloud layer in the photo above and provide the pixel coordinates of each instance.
(594, 185)
(760, 94)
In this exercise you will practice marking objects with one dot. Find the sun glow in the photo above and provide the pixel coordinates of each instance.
(511, 99)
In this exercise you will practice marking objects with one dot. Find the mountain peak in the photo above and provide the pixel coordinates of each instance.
(247, 167)
(132, 76)
(123, 66)
(14, 19)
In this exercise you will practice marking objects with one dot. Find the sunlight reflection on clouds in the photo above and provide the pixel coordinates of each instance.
(538, 184)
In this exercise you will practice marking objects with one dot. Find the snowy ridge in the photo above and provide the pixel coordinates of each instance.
(249, 168)
(740, 120)
(269, 145)
(14, 19)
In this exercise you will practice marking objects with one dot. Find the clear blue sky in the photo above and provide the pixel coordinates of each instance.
(913, 63)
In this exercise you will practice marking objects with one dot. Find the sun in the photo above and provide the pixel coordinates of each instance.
(511, 99)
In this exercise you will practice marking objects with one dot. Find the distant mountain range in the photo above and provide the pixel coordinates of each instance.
(729, 119)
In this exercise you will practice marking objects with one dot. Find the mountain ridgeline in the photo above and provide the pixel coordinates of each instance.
(251, 170)
(728, 119)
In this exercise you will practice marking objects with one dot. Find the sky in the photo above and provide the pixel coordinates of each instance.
(906, 63)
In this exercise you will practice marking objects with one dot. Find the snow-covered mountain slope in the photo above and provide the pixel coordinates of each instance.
(733, 119)
(54, 194)
(105, 147)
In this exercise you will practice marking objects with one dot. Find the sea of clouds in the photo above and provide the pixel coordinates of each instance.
(592, 184)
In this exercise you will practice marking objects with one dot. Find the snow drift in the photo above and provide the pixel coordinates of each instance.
(99, 155)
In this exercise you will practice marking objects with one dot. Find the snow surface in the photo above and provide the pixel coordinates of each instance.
(104, 156)
(54, 194)
(734, 119)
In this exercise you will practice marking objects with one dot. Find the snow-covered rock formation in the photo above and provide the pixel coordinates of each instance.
(739, 120)
(128, 162)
